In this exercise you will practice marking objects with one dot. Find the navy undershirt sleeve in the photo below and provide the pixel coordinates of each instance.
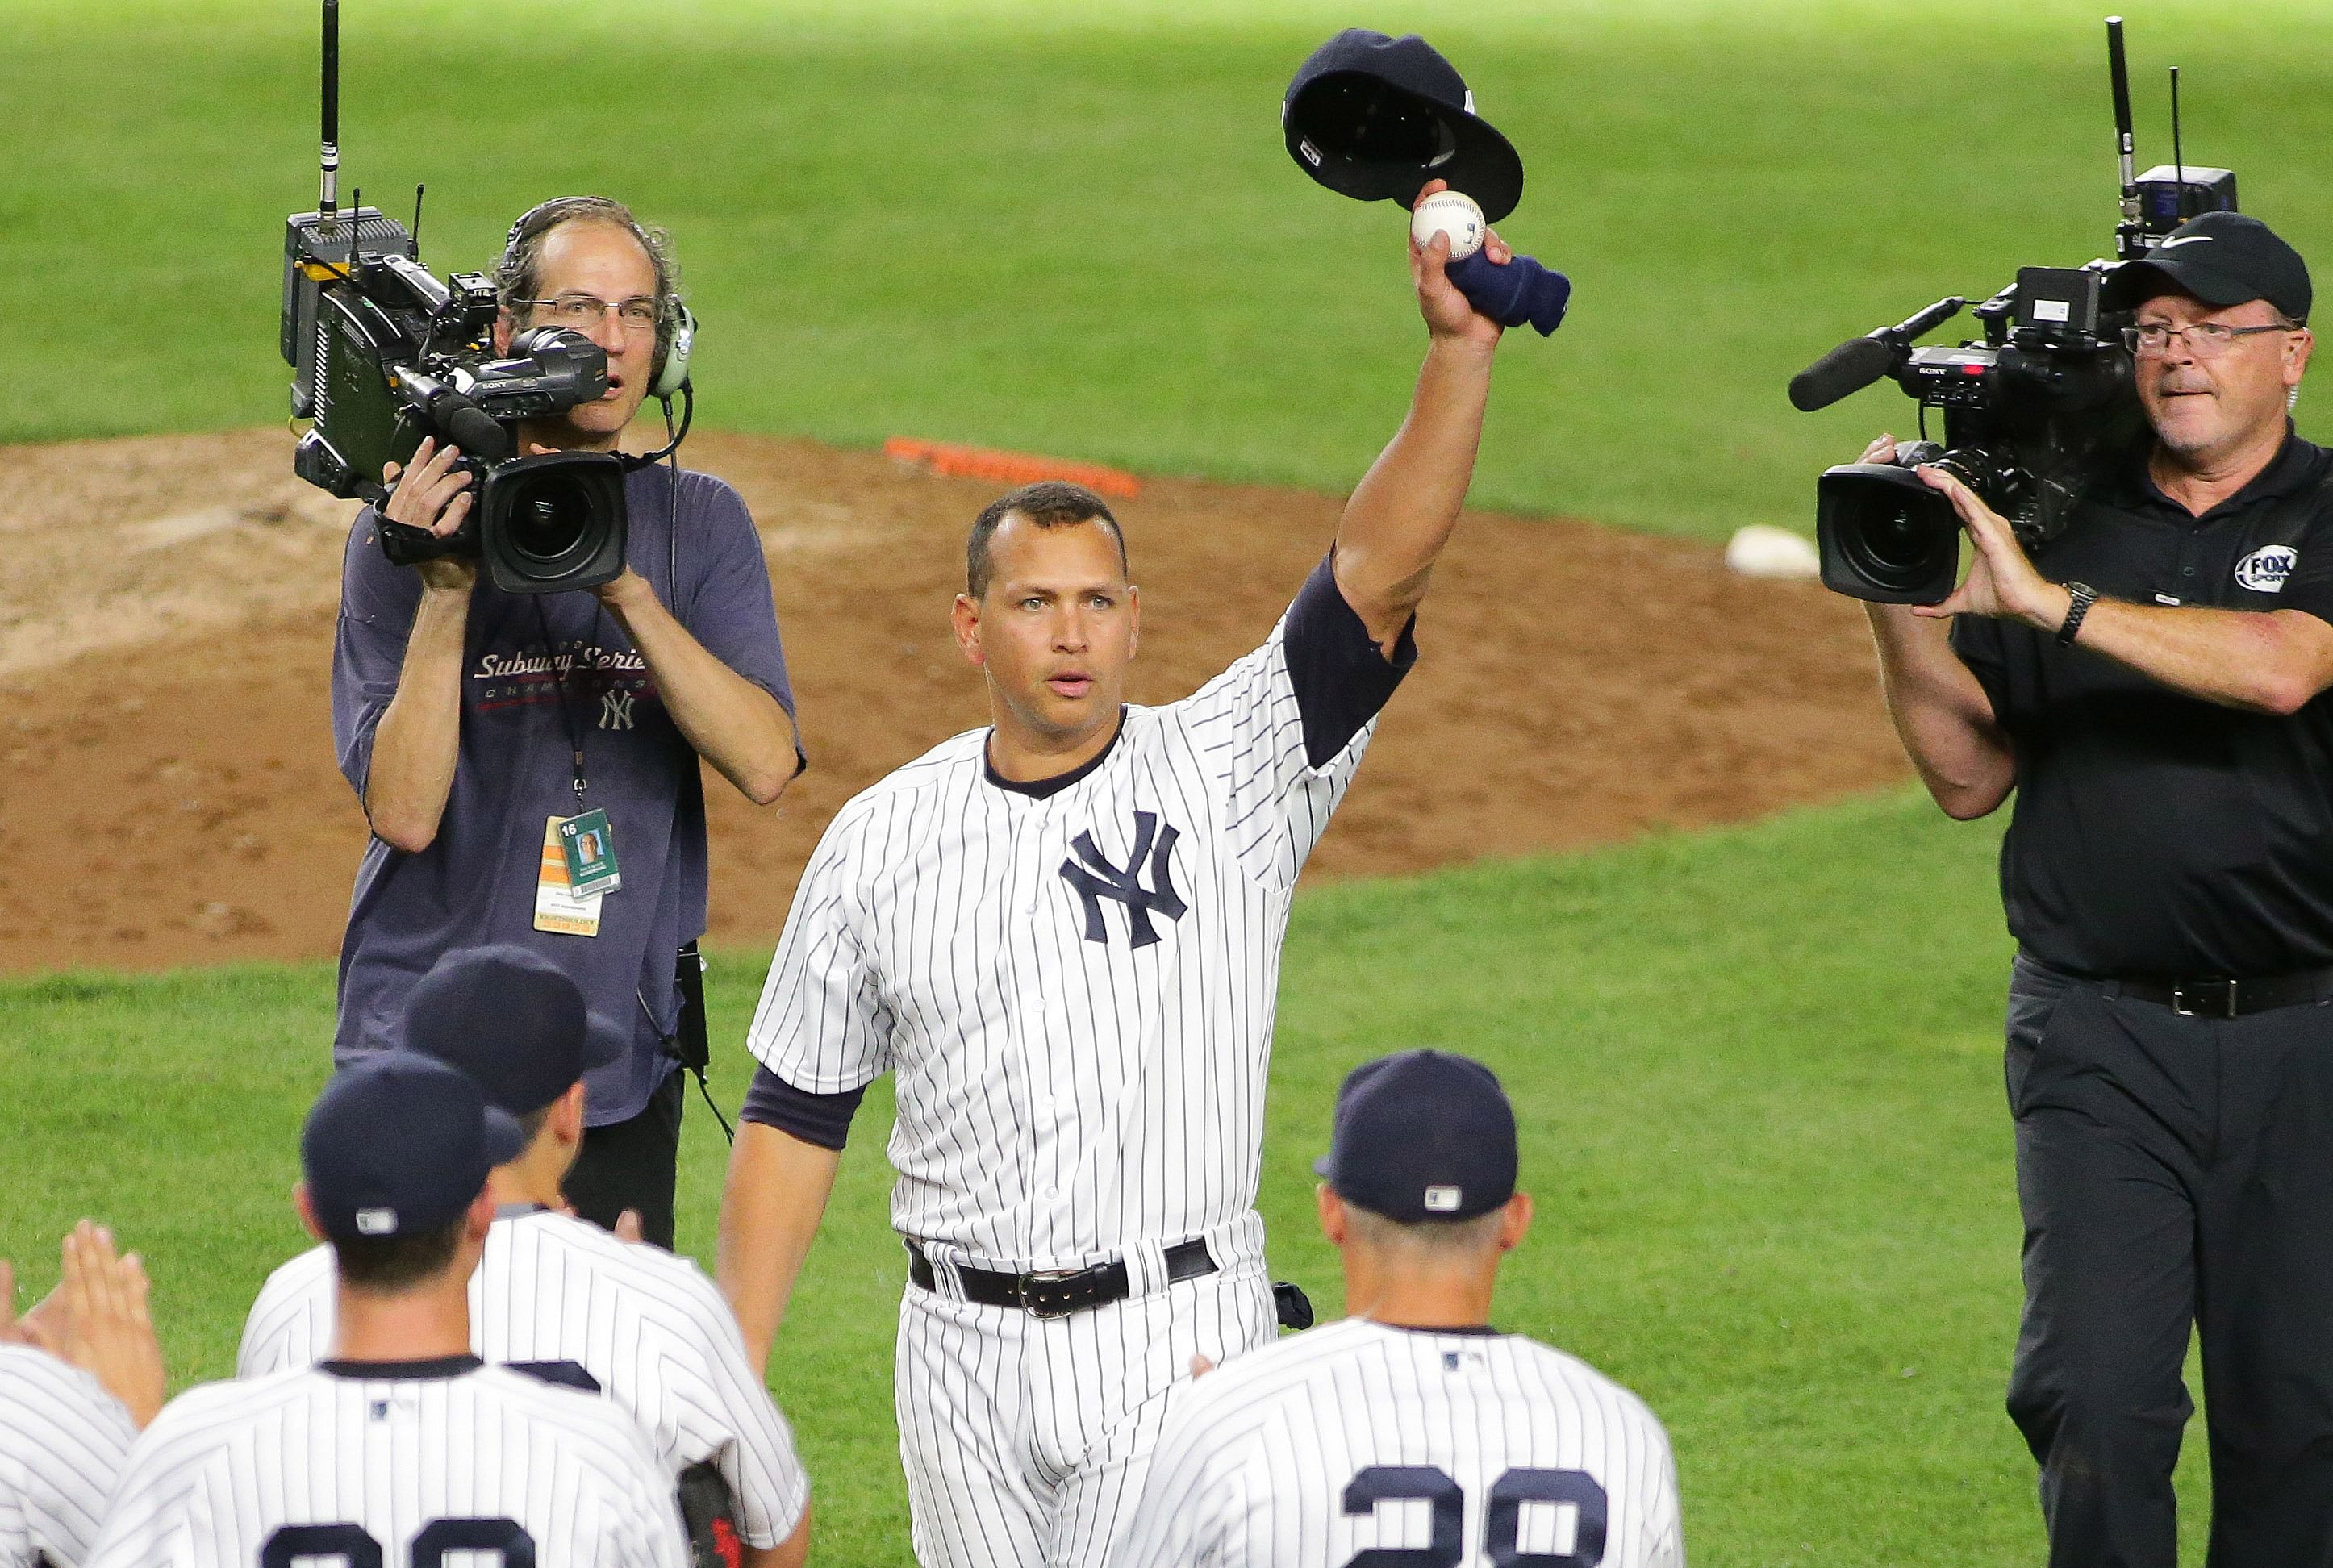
(1342, 678)
(821, 1118)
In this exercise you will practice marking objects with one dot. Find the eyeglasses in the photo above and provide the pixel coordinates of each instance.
(580, 311)
(2206, 339)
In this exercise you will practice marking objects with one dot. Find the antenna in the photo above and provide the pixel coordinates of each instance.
(417, 189)
(2125, 145)
(327, 200)
(2129, 233)
(2178, 164)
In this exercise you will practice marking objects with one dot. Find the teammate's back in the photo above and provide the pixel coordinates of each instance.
(398, 1464)
(1359, 1436)
(647, 1329)
(402, 1448)
(1412, 1432)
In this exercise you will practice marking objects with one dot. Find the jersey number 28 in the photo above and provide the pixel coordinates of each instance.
(1503, 1519)
(352, 1546)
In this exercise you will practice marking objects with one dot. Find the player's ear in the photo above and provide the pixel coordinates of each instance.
(503, 325)
(567, 1113)
(1134, 619)
(480, 1217)
(305, 1209)
(1516, 1222)
(1332, 1214)
(964, 618)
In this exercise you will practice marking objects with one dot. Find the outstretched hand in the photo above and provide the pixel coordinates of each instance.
(107, 1330)
(1448, 313)
(2001, 582)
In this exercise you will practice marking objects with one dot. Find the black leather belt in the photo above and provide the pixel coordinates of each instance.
(2222, 997)
(1058, 1292)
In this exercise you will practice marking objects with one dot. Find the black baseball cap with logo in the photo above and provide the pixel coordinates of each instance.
(512, 1021)
(400, 1144)
(1376, 118)
(1422, 1135)
(2219, 258)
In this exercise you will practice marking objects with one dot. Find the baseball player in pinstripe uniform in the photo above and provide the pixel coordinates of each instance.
(402, 1450)
(1411, 1432)
(1062, 933)
(79, 1376)
(556, 1295)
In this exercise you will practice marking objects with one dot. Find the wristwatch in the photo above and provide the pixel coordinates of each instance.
(2084, 596)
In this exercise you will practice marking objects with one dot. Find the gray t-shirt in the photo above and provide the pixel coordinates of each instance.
(476, 881)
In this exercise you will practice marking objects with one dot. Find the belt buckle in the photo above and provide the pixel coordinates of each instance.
(1022, 1288)
(2211, 999)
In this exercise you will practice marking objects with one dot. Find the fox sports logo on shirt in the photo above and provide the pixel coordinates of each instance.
(2264, 570)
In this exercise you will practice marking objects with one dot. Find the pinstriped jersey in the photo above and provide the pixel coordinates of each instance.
(1455, 1449)
(1075, 989)
(405, 1466)
(647, 1327)
(62, 1440)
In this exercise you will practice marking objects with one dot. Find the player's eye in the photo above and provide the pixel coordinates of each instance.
(1033, 603)
(1102, 602)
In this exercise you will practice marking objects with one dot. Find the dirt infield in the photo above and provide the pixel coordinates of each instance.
(167, 792)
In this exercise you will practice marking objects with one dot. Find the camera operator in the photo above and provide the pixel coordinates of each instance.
(468, 719)
(2150, 683)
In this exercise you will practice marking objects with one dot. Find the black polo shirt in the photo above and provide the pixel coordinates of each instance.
(2157, 833)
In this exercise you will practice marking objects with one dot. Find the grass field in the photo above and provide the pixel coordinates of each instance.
(1069, 226)
(1759, 1068)
(1759, 1078)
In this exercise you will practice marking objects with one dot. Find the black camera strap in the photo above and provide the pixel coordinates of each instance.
(570, 719)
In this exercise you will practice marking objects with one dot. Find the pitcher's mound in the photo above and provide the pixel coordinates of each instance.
(168, 795)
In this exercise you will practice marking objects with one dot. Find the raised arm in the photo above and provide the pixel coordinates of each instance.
(1401, 514)
(420, 735)
(1940, 709)
(733, 724)
(2261, 661)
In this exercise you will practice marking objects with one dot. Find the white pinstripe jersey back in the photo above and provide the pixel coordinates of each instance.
(1079, 1065)
(1349, 1439)
(62, 1440)
(649, 1327)
(227, 1466)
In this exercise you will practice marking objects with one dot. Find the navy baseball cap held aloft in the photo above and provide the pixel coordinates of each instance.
(2222, 259)
(513, 1021)
(1422, 1135)
(1376, 118)
(399, 1146)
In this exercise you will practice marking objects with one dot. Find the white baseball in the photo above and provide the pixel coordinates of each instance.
(1451, 214)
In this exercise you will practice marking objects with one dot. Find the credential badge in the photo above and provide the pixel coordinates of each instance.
(2264, 570)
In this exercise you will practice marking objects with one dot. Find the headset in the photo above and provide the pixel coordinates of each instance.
(676, 324)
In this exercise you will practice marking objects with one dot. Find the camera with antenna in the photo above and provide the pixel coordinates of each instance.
(2033, 410)
(384, 353)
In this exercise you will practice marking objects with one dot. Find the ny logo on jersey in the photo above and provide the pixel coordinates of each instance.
(1098, 879)
(615, 709)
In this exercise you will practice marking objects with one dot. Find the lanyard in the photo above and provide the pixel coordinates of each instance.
(572, 720)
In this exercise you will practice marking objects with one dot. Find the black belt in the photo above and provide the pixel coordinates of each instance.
(1058, 1292)
(2222, 997)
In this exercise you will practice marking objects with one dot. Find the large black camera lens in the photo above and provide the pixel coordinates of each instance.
(1885, 536)
(550, 517)
(554, 522)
